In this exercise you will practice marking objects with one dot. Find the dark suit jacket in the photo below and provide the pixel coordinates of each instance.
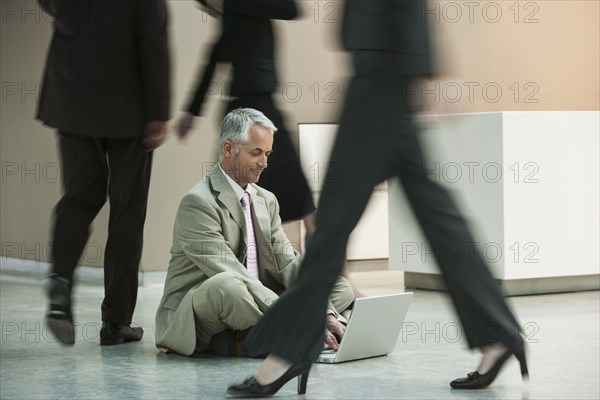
(107, 69)
(395, 26)
(247, 42)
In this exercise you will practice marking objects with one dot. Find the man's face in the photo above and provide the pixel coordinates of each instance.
(244, 163)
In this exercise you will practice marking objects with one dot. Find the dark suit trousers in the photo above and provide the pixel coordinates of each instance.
(376, 141)
(91, 169)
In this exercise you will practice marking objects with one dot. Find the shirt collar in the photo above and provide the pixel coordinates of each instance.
(239, 192)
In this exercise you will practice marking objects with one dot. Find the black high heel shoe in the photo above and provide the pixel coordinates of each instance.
(251, 388)
(475, 380)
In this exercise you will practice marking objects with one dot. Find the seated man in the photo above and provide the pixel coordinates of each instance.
(230, 256)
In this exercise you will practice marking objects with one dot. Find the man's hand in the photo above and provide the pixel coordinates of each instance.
(156, 132)
(334, 331)
(183, 125)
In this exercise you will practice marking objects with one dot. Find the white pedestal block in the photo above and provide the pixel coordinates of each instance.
(528, 184)
(369, 240)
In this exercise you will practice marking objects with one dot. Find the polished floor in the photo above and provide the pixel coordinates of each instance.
(562, 329)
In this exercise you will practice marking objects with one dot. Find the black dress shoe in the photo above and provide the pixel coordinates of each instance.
(251, 388)
(475, 380)
(60, 316)
(112, 333)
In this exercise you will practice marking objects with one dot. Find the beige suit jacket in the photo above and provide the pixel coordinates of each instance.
(209, 237)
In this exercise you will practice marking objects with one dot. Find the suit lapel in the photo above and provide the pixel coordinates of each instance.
(262, 229)
(262, 219)
(227, 197)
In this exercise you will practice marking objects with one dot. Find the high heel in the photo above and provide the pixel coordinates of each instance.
(475, 380)
(523, 364)
(251, 388)
(303, 382)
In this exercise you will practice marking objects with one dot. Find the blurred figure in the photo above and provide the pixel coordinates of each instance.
(106, 92)
(247, 42)
(377, 140)
(230, 256)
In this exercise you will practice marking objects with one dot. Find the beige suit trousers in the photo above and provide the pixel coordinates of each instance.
(223, 302)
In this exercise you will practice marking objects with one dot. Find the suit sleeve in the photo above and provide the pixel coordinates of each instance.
(153, 48)
(287, 259)
(272, 9)
(48, 6)
(200, 236)
(217, 55)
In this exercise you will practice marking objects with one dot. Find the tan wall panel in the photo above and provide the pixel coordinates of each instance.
(557, 56)
(543, 56)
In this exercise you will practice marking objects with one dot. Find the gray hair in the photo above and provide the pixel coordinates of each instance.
(237, 123)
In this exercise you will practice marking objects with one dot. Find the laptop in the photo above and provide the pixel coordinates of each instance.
(373, 328)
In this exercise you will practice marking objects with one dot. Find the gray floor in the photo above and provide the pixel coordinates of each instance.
(563, 336)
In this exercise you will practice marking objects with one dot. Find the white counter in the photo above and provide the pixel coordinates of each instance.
(528, 183)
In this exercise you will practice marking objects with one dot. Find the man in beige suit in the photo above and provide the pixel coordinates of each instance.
(219, 283)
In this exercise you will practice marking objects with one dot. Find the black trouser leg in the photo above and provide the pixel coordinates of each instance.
(130, 168)
(478, 300)
(84, 179)
(377, 140)
(293, 327)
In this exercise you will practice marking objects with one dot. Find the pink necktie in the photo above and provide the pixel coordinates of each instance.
(251, 257)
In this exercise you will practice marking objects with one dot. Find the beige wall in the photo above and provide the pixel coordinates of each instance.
(550, 54)
(553, 62)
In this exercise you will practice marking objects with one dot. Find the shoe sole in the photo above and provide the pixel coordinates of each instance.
(115, 341)
(111, 342)
(62, 330)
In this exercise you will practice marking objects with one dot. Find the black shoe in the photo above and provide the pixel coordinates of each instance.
(229, 343)
(251, 388)
(112, 333)
(60, 316)
(475, 380)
